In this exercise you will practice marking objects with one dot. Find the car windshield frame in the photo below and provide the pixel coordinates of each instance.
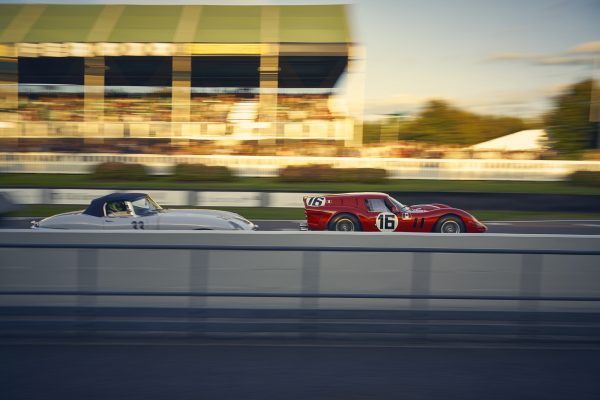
(398, 205)
(150, 208)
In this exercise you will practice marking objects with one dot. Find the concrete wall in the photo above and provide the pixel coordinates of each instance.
(304, 284)
(328, 263)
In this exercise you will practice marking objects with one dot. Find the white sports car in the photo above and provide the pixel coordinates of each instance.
(139, 211)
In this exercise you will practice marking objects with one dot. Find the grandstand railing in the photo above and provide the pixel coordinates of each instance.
(313, 129)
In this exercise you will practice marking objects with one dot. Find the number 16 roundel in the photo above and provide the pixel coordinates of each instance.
(386, 222)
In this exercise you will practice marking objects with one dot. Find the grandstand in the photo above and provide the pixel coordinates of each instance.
(178, 72)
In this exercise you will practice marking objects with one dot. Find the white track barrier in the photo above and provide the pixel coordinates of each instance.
(397, 168)
(463, 272)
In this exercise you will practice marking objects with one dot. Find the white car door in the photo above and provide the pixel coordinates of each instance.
(131, 222)
(144, 222)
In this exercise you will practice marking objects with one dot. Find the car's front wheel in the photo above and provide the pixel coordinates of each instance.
(344, 223)
(449, 224)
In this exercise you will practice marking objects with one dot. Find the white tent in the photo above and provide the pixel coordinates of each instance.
(529, 140)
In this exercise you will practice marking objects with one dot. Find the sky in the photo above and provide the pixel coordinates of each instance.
(508, 57)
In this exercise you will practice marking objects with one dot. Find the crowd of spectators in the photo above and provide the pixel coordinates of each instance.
(214, 108)
(137, 109)
(116, 109)
(51, 108)
(203, 108)
(294, 108)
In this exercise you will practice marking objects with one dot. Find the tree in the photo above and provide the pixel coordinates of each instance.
(568, 125)
(440, 122)
(371, 132)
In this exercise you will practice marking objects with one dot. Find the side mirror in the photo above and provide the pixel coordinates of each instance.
(395, 210)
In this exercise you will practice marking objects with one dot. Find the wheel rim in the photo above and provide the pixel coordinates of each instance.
(344, 225)
(450, 227)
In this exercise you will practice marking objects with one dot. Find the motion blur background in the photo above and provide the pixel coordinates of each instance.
(382, 95)
(379, 79)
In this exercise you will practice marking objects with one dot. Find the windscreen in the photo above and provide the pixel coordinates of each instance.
(145, 205)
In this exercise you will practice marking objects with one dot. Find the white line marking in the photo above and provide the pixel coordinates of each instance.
(592, 225)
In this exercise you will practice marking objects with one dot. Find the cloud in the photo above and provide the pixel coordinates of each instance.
(533, 59)
(582, 54)
(589, 47)
(511, 57)
(565, 60)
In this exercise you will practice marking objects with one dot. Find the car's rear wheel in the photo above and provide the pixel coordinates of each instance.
(344, 223)
(449, 224)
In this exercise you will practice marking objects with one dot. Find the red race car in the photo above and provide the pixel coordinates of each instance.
(379, 212)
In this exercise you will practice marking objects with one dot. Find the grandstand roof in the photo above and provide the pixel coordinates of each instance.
(59, 23)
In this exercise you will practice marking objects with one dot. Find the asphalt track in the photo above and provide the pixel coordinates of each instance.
(559, 227)
(183, 370)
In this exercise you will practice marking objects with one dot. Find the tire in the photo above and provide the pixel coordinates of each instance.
(449, 224)
(344, 223)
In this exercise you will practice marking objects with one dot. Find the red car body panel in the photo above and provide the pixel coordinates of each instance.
(320, 209)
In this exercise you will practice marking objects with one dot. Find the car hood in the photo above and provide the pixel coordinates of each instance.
(179, 214)
(57, 220)
(428, 207)
(57, 216)
(66, 213)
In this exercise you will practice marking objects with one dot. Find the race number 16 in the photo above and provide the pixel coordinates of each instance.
(387, 222)
(315, 201)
